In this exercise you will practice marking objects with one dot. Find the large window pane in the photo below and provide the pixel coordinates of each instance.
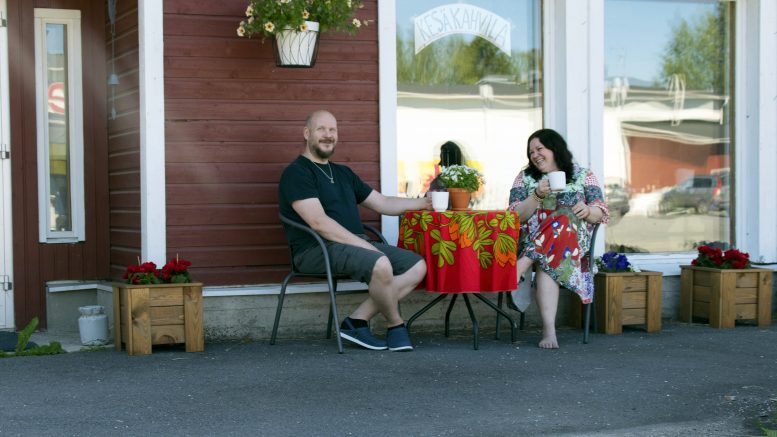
(667, 123)
(469, 79)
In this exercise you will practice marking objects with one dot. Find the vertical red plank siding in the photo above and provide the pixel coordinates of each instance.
(123, 169)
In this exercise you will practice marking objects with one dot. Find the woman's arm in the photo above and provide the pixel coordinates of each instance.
(525, 200)
(598, 212)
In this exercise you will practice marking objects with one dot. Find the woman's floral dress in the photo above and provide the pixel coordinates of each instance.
(554, 237)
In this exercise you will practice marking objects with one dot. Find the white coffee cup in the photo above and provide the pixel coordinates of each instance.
(558, 180)
(439, 200)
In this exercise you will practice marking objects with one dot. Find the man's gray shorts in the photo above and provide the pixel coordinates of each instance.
(354, 261)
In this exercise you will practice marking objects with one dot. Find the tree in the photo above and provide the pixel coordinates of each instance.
(699, 52)
(455, 61)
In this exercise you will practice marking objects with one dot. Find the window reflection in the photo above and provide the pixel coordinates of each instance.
(468, 74)
(59, 154)
(667, 117)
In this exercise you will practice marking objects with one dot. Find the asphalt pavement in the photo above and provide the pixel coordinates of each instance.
(685, 380)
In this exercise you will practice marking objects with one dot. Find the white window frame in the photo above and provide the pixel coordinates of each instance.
(72, 20)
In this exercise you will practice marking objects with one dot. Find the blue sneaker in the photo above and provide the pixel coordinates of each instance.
(362, 336)
(399, 339)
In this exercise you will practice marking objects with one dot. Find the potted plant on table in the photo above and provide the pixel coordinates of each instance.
(722, 286)
(461, 181)
(295, 25)
(626, 295)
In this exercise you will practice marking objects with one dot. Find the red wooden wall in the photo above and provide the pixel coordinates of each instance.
(36, 263)
(124, 138)
(233, 122)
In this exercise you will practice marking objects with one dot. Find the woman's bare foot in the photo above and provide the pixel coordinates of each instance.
(549, 340)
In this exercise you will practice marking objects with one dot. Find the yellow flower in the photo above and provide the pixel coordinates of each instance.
(249, 10)
(356, 23)
(303, 27)
(305, 14)
(250, 20)
(241, 31)
(269, 27)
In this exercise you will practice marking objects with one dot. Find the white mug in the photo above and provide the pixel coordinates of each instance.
(439, 200)
(558, 180)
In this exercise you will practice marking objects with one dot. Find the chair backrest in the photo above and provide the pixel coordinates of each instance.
(590, 254)
(319, 240)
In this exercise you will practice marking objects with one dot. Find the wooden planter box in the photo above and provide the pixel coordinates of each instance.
(145, 315)
(724, 296)
(629, 298)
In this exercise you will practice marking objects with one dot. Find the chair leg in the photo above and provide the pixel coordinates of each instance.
(329, 323)
(281, 296)
(333, 303)
(331, 316)
(587, 322)
(499, 305)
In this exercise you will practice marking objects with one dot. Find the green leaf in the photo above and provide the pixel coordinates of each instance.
(485, 258)
(506, 243)
(24, 336)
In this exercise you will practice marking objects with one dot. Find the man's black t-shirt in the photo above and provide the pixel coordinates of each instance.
(304, 179)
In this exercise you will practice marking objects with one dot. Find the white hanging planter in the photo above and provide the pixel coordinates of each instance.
(295, 48)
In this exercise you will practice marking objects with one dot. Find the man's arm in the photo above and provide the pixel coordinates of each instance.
(395, 205)
(313, 213)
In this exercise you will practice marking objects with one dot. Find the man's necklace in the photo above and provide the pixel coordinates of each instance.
(330, 176)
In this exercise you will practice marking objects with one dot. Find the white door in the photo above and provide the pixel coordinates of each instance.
(6, 265)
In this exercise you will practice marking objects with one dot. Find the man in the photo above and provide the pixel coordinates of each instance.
(325, 196)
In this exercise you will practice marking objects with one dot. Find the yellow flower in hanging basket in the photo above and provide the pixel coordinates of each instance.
(266, 17)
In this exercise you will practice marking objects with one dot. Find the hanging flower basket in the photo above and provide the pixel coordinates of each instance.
(296, 48)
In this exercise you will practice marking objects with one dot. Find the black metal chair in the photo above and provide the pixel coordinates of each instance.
(586, 307)
(331, 280)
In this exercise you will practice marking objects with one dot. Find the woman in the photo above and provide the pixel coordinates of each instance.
(450, 154)
(555, 226)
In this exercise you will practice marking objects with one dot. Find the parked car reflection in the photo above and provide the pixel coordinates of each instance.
(701, 193)
(617, 198)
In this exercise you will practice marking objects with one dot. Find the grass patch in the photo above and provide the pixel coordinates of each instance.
(21, 349)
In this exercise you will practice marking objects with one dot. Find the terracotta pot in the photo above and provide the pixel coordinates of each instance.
(459, 199)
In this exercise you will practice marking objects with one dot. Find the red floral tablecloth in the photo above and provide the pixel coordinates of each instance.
(465, 251)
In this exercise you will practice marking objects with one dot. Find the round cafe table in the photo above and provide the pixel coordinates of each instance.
(466, 252)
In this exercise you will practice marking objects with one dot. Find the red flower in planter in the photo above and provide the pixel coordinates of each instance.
(715, 258)
(145, 273)
(174, 272)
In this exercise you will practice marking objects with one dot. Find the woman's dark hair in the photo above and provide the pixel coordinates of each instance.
(555, 142)
(450, 154)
